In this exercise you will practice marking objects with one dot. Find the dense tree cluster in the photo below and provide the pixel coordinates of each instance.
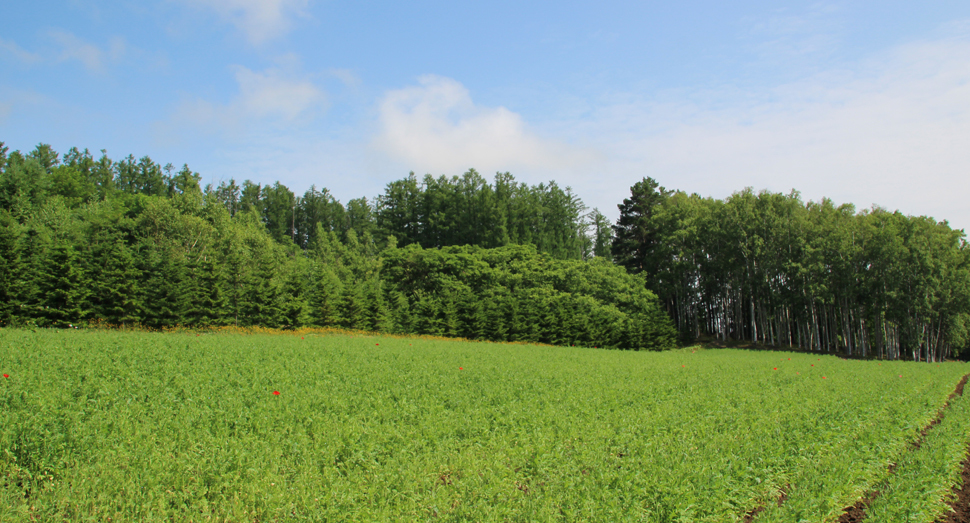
(770, 268)
(131, 242)
(435, 212)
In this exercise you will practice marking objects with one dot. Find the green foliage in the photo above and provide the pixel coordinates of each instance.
(11, 268)
(769, 268)
(919, 489)
(94, 240)
(467, 210)
(163, 427)
(636, 236)
(515, 293)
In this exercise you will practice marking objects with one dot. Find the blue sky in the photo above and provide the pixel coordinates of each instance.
(864, 102)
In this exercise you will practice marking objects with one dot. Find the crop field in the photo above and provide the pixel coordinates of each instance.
(124, 426)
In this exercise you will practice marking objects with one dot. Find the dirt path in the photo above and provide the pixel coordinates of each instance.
(961, 507)
(857, 512)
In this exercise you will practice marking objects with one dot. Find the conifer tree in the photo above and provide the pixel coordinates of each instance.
(635, 232)
(401, 313)
(11, 267)
(353, 307)
(376, 308)
(208, 294)
(326, 297)
(115, 281)
(65, 287)
(428, 320)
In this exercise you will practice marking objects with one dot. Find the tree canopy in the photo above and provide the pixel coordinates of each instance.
(770, 268)
(130, 242)
(89, 240)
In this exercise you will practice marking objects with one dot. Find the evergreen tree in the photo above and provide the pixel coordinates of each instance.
(375, 308)
(635, 232)
(209, 296)
(427, 312)
(64, 288)
(401, 313)
(326, 298)
(11, 267)
(296, 305)
(602, 235)
(353, 307)
(115, 276)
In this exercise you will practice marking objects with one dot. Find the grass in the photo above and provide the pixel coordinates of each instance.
(127, 426)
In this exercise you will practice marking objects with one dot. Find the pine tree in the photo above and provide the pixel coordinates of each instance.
(11, 267)
(353, 307)
(427, 316)
(325, 298)
(296, 306)
(635, 233)
(65, 286)
(495, 312)
(165, 297)
(376, 308)
(401, 313)
(210, 298)
(115, 281)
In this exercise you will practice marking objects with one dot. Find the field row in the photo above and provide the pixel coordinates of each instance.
(154, 427)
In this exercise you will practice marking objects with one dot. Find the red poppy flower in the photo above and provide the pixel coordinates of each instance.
(377, 344)
(823, 377)
(813, 365)
(276, 393)
(776, 368)
(460, 368)
(6, 375)
(301, 337)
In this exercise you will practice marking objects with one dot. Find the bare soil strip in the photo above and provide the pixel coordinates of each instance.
(961, 506)
(857, 512)
(749, 517)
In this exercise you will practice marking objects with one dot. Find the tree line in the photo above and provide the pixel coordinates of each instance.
(130, 242)
(86, 239)
(773, 269)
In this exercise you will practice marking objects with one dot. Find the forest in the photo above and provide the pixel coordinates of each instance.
(95, 241)
(771, 269)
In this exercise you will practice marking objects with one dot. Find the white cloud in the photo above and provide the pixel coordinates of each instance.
(91, 56)
(436, 127)
(267, 94)
(16, 103)
(796, 36)
(347, 77)
(259, 20)
(18, 52)
(266, 98)
(891, 131)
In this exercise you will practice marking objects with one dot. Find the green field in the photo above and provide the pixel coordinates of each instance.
(186, 427)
